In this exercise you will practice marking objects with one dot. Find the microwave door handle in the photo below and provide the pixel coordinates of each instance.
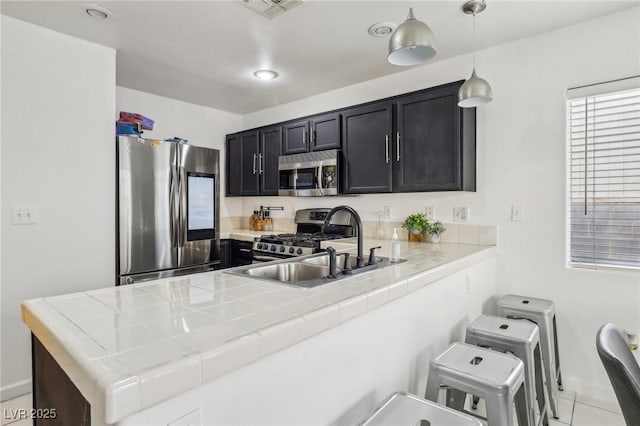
(319, 177)
(295, 182)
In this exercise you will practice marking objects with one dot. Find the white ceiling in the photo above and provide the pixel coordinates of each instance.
(205, 52)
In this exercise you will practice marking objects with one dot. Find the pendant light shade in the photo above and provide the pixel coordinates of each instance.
(411, 43)
(474, 92)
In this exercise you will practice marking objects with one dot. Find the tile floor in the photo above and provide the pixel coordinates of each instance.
(575, 411)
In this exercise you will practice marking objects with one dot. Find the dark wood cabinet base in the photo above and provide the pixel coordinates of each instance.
(56, 400)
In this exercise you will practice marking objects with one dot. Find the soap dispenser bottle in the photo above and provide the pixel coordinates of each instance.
(394, 256)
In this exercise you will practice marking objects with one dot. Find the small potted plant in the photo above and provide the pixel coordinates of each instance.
(417, 224)
(434, 231)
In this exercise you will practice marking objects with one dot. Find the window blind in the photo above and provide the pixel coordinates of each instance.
(604, 179)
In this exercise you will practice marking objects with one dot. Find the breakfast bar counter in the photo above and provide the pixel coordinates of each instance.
(216, 348)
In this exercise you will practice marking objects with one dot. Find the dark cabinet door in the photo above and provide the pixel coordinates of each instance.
(249, 165)
(428, 142)
(366, 133)
(242, 163)
(233, 166)
(241, 252)
(296, 137)
(325, 132)
(270, 150)
(224, 254)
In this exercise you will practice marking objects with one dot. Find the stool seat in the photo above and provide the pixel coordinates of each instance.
(525, 303)
(505, 329)
(404, 409)
(542, 313)
(496, 377)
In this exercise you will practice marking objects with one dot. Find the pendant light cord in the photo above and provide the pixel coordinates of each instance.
(474, 41)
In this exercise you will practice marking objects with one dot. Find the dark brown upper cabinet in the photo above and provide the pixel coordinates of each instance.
(416, 142)
(324, 132)
(252, 162)
(433, 143)
(366, 152)
(296, 137)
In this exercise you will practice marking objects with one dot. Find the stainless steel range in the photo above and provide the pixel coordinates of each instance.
(307, 239)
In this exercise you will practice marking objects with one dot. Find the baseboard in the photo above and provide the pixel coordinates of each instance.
(15, 390)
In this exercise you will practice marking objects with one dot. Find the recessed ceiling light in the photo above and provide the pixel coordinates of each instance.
(382, 29)
(265, 74)
(97, 12)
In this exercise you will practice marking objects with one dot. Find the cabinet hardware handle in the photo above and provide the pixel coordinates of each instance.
(312, 136)
(386, 148)
(304, 137)
(255, 157)
(261, 164)
(397, 146)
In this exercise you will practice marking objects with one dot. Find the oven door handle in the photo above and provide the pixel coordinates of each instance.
(265, 258)
(319, 177)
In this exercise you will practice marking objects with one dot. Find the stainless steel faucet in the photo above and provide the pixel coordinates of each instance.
(356, 216)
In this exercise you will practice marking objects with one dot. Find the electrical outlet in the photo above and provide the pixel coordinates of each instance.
(468, 282)
(516, 213)
(461, 214)
(23, 215)
(430, 212)
(387, 212)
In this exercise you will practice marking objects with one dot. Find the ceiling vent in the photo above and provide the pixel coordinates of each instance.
(270, 8)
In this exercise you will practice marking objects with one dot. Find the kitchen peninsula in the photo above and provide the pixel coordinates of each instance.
(215, 348)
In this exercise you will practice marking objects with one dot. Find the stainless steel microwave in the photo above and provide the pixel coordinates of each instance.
(311, 174)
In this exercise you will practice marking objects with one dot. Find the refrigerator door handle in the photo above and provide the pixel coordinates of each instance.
(182, 219)
(173, 210)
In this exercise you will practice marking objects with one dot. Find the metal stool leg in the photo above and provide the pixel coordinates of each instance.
(474, 402)
(540, 387)
(555, 341)
(433, 386)
(521, 407)
(455, 399)
(499, 411)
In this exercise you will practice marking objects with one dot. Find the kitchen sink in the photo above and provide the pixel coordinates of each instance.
(289, 272)
(307, 272)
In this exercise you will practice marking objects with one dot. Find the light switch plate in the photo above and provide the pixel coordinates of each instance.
(516, 213)
(387, 212)
(430, 212)
(461, 214)
(23, 215)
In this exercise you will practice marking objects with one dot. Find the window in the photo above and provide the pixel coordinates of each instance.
(603, 123)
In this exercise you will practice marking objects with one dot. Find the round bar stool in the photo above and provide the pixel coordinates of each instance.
(403, 409)
(541, 312)
(493, 376)
(520, 338)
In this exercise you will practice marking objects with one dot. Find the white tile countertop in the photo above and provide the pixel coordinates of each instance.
(128, 348)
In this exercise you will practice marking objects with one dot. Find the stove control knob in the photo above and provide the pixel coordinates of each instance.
(291, 250)
(259, 246)
(299, 251)
(281, 249)
(273, 248)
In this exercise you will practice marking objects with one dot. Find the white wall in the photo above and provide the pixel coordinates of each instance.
(58, 98)
(521, 160)
(200, 125)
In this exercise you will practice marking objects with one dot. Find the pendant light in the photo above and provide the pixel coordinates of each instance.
(475, 91)
(411, 43)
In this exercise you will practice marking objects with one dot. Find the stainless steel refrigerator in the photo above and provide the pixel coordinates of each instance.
(168, 209)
